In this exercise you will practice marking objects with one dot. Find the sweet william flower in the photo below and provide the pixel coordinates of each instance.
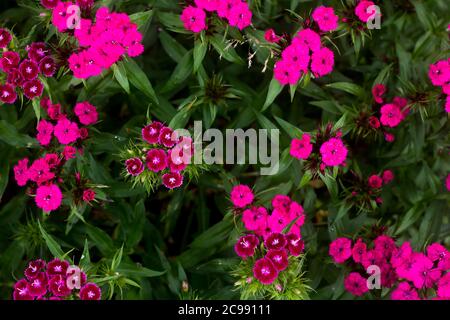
(208, 5)
(69, 152)
(7, 94)
(165, 137)
(388, 176)
(297, 56)
(271, 36)
(47, 66)
(33, 89)
(378, 92)
(21, 173)
(5, 38)
(246, 245)
(134, 166)
(48, 197)
(439, 73)
(255, 218)
(88, 195)
(404, 292)
(240, 16)
(86, 113)
(359, 250)
(279, 258)
(362, 10)
(60, 16)
(45, 131)
(194, 19)
(22, 290)
(90, 291)
(37, 51)
(66, 131)
(309, 38)
(340, 250)
(39, 171)
(9, 61)
(286, 73)
(38, 285)
(295, 244)
(14, 78)
(275, 241)
(356, 284)
(150, 133)
(322, 62)
(241, 196)
(172, 180)
(391, 115)
(156, 160)
(423, 273)
(334, 152)
(301, 148)
(375, 182)
(265, 271)
(58, 286)
(49, 4)
(325, 18)
(374, 122)
(34, 268)
(57, 267)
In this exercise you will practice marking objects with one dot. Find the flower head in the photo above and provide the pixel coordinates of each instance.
(90, 291)
(194, 19)
(134, 166)
(340, 250)
(150, 133)
(246, 245)
(7, 94)
(301, 148)
(375, 181)
(356, 284)
(240, 15)
(45, 131)
(48, 197)
(241, 196)
(265, 271)
(279, 258)
(66, 131)
(325, 18)
(86, 113)
(322, 62)
(172, 180)
(5, 38)
(391, 115)
(156, 160)
(333, 152)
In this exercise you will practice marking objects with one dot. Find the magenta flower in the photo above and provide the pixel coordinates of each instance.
(279, 258)
(86, 113)
(275, 241)
(58, 286)
(444, 287)
(45, 131)
(39, 171)
(49, 4)
(9, 61)
(423, 273)
(391, 115)
(7, 93)
(57, 267)
(22, 290)
(240, 16)
(378, 92)
(60, 16)
(29, 70)
(334, 152)
(134, 166)
(340, 250)
(322, 62)
(325, 18)
(438, 253)
(297, 56)
(66, 131)
(401, 254)
(34, 268)
(151, 132)
(165, 137)
(47, 66)
(194, 19)
(48, 198)
(439, 73)
(404, 292)
(286, 73)
(356, 284)
(178, 161)
(172, 180)
(90, 291)
(33, 89)
(241, 196)
(14, 78)
(309, 38)
(156, 160)
(224, 7)
(295, 244)
(362, 10)
(301, 148)
(271, 36)
(385, 245)
(255, 218)
(359, 251)
(375, 182)
(208, 5)
(69, 152)
(88, 195)
(246, 245)
(388, 176)
(38, 285)
(37, 51)
(5, 38)
(265, 271)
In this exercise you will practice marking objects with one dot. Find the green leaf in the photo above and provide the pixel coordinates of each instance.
(37, 108)
(351, 88)
(226, 52)
(180, 74)
(200, 49)
(121, 76)
(52, 245)
(275, 89)
(138, 78)
(290, 129)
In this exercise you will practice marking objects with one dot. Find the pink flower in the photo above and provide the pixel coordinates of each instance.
(359, 250)
(224, 7)
(34, 268)
(325, 18)
(265, 271)
(385, 245)
(134, 166)
(54, 111)
(9, 61)
(5, 38)
(88, 195)
(52, 159)
(47, 66)
(356, 284)
(33, 89)
(389, 137)
(444, 287)
(85, 4)
(333, 152)
(60, 16)
(322, 62)
(69, 152)
(156, 160)
(39, 171)
(439, 73)
(240, 16)
(279, 258)
(178, 159)
(340, 250)
(86, 113)
(301, 148)
(391, 115)
(49, 4)
(309, 38)
(275, 241)
(7, 94)
(437, 252)
(294, 244)
(90, 291)
(151, 132)
(400, 102)
(374, 122)
(388, 176)
(165, 137)
(378, 92)
(208, 5)
(375, 182)
(271, 36)
(404, 292)
(241, 196)
(37, 51)
(22, 290)
(401, 254)
(172, 180)
(255, 218)
(194, 19)
(286, 73)
(66, 131)
(21, 172)
(29, 70)
(362, 10)
(48, 197)
(423, 273)
(246, 245)
(45, 131)
(297, 56)
(278, 221)
(57, 267)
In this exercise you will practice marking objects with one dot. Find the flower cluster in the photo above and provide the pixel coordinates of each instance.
(280, 232)
(168, 155)
(236, 12)
(439, 74)
(328, 149)
(306, 51)
(44, 174)
(392, 114)
(24, 73)
(54, 280)
(411, 273)
(101, 43)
